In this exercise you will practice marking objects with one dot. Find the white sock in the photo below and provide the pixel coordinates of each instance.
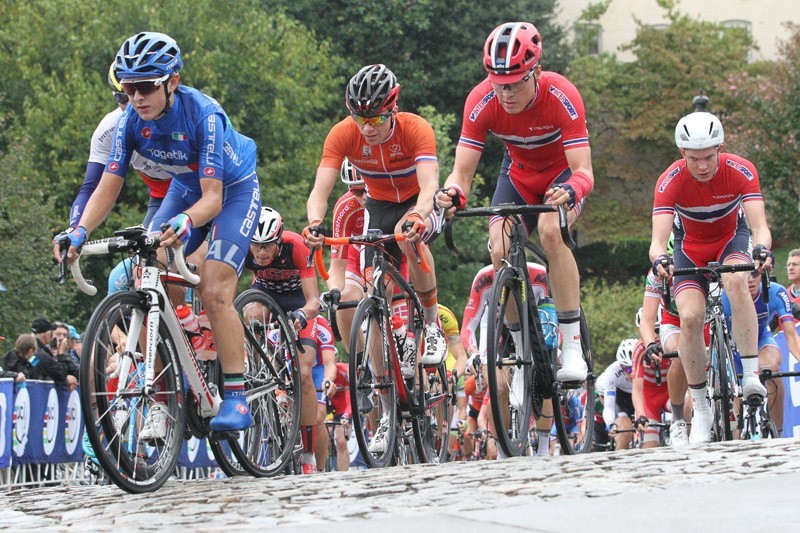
(571, 335)
(544, 442)
(749, 367)
(308, 459)
(501, 454)
(700, 400)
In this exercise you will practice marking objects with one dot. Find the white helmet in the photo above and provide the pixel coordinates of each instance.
(700, 130)
(639, 317)
(270, 226)
(350, 175)
(625, 352)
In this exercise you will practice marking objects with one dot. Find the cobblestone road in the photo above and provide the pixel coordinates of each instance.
(444, 493)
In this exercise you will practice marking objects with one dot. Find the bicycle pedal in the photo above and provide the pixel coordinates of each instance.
(220, 436)
(571, 384)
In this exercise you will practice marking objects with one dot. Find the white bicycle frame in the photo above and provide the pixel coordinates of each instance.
(151, 282)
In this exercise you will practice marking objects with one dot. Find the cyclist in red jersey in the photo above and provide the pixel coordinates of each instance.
(540, 118)
(278, 260)
(704, 199)
(396, 154)
(340, 402)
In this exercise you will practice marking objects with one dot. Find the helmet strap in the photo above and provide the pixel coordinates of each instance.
(168, 96)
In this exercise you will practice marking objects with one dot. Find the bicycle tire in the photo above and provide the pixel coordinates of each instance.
(719, 386)
(371, 371)
(510, 385)
(769, 430)
(587, 400)
(432, 428)
(131, 464)
(272, 383)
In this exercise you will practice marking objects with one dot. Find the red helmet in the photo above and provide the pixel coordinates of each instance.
(511, 51)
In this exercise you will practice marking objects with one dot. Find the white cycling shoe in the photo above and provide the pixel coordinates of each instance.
(155, 425)
(752, 386)
(573, 367)
(701, 427)
(435, 345)
(378, 442)
(678, 435)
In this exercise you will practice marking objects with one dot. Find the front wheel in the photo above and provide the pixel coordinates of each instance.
(272, 383)
(509, 365)
(116, 412)
(373, 391)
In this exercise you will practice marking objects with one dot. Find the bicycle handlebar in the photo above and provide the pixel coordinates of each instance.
(506, 210)
(714, 272)
(121, 244)
(370, 239)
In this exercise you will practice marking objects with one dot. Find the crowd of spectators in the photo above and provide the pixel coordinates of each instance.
(50, 351)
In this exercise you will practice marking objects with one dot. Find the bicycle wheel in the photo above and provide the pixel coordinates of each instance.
(272, 382)
(719, 386)
(586, 398)
(373, 390)
(432, 428)
(509, 365)
(113, 421)
(769, 430)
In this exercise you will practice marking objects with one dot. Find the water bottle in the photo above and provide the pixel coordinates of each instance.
(549, 320)
(191, 325)
(209, 351)
(406, 343)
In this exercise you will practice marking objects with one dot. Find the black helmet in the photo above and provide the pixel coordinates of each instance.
(373, 91)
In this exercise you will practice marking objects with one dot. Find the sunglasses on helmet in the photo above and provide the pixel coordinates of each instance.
(377, 120)
(145, 87)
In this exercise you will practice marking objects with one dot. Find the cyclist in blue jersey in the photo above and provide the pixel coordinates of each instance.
(769, 354)
(214, 189)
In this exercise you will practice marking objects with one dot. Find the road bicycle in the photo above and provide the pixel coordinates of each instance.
(156, 366)
(415, 412)
(522, 379)
(723, 385)
(756, 422)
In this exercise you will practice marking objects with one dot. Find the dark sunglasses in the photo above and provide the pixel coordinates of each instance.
(144, 87)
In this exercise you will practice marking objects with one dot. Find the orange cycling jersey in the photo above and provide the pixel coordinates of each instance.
(390, 168)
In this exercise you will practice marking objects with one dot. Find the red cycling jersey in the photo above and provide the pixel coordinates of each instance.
(284, 273)
(536, 138)
(348, 220)
(390, 168)
(707, 213)
(479, 298)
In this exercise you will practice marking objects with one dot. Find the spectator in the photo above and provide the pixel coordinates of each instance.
(22, 359)
(75, 345)
(60, 346)
(52, 367)
(793, 274)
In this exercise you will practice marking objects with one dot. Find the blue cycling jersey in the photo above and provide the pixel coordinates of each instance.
(194, 139)
(779, 304)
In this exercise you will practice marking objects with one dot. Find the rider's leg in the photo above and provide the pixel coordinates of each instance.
(342, 452)
(623, 440)
(308, 399)
(321, 452)
(770, 356)
(691, 304)
(744, 328)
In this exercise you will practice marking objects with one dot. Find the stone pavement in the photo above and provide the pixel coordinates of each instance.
(734, 486)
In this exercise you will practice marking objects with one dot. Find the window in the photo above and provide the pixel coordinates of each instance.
(588, 38)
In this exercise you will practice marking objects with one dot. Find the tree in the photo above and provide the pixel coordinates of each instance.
(764, 129)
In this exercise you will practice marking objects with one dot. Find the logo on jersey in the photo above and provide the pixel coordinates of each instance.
(146, 133)
(564, 101)
(395, 149)
(179, 136)
(741, 168)
(208, 171)
(172, 154)
(668, 179)
(113, 167)
(473, 116)
(366, 151)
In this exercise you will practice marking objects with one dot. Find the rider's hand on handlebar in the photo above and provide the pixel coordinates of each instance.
(178, 228)
(74, 238)
(763, 257)
(329, 387)
(653, 353)
(312, 234)
(413, 227)
(450, 198)
(560, 194)
(661, 266)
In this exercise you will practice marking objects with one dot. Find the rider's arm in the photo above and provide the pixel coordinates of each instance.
(783, 306)
(610, 404)
(662, 225)
(210, 203)
(647, 327)
(637, 395)
(454, 342)
(582, 178)
(336, 273)
(311, 292)
(329, 361)
(94, 171)
(466, 163)
(757, 220)
(101, 202)
(428, 179)
(317, 204)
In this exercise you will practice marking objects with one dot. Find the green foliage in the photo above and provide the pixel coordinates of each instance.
(26, 266)
(610, 310)
(614, 261)
(764, 129)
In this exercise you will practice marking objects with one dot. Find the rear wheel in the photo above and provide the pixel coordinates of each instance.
(432, 428)
(272, 382)
(373, 391)
(769, 430)
(718, 387)
(509, 365)
(116, 415)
